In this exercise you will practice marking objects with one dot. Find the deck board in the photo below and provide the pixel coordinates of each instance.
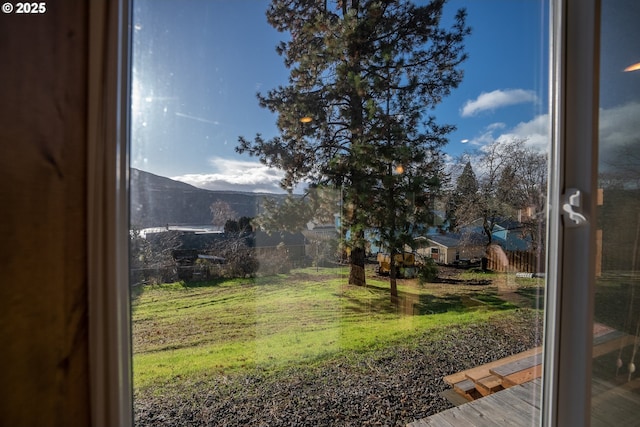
(517, 366)
(438, 419)
(529, 392)
(464, 386)
(457, 420)
(522, 376)
(454, 397)
(489, 385)
(475, 416)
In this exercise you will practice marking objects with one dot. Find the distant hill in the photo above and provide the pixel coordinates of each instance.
(158, 201)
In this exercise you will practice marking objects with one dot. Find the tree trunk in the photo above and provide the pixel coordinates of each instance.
(356, 272)
(393, 282)
(487, 251)
(485, 262)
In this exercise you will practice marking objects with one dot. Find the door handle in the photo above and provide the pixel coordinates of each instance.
(572, 200)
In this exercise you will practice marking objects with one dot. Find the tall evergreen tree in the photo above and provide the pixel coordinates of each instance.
(363, 76)
(463, 197)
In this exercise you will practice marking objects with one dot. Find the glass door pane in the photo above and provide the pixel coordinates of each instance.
(615, 381)
(361, 244)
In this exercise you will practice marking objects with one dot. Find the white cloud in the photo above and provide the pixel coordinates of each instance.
(619, 128)
(619, 125)
(497, 99)
(236, 175)
(619, 136)
(487, 135)
(534, 132)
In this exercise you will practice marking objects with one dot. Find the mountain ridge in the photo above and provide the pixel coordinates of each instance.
(156, 201)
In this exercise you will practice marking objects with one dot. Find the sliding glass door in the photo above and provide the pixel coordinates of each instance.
(593, 307)
(615, 381)
(369, 225)
(592, 300)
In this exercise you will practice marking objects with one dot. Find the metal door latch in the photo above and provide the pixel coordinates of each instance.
(571, 200)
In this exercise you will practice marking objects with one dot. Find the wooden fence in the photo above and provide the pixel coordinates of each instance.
(515, 262)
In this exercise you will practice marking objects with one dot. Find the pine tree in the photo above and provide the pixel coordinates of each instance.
(364, 75)
(463, 197)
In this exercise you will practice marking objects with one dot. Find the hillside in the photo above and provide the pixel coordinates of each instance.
(157, 201)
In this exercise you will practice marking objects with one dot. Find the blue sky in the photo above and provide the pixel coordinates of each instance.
(198, 64)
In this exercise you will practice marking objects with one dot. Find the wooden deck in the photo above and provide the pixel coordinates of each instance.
(518, 406)
(501, 374)
(615, 404)
(507, 392)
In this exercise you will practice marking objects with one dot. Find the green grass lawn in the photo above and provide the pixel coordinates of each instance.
(188, 331)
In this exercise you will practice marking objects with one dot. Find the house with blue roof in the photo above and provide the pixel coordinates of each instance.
(470, 244)
(452, 248)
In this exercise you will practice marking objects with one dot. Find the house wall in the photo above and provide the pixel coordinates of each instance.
(43, 297)
(472, 252)
(447, 255)
(451, 255)
(444, 256)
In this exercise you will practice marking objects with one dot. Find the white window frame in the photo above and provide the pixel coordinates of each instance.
(566, 395)
(573, 110)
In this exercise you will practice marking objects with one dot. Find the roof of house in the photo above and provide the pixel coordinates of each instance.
(498, 224)
(452, 240)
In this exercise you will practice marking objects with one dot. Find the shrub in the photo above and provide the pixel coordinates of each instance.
(275, 261)
(427, 270)
(241, 260)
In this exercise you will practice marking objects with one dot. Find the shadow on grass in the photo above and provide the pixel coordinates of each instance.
(135, 291)
(429, 304)
(533, 297)
(422, 304)
(378, 301)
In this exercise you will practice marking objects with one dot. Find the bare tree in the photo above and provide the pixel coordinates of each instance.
(221, 212)
(511, 185)
(530, 188)
(151, 256)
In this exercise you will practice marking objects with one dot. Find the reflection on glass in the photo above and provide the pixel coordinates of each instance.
(359, 244)
(615, 398)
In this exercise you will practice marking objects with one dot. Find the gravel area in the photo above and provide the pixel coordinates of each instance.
(384, 388)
